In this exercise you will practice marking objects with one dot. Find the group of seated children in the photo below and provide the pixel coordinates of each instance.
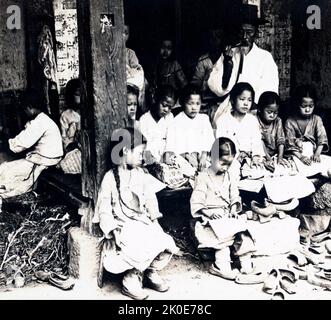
(173, 132)
(244, 137)
(265, 147)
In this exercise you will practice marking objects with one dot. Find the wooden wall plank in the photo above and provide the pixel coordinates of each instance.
(102, 70)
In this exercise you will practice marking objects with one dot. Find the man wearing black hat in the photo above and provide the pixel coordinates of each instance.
(245, 62)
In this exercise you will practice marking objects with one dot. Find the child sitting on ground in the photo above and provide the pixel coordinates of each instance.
(306, 135)
(191, 135)
(127, 212)
(215, 198)
(243, 127)
(271, 126)
(42, 139)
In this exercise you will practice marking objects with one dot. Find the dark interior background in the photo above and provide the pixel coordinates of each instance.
(186, 22)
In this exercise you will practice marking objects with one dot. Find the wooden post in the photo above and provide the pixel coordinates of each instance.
(102, 71)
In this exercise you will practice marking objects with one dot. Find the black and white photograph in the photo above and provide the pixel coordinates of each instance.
(165, 150)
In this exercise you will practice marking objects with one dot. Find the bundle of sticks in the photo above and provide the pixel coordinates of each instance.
(33, 237)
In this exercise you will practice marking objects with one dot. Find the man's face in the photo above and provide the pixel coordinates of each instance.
(247, 35)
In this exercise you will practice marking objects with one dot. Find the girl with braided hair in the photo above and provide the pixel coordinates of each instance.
(127, 212)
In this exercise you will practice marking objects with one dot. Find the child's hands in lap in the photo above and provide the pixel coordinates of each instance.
(283, 162)
(202, 162)
(211, 214)
(316, 157)
(269, 165)
(256, 162)
(169, 158)
(242, 156)
(216, 216)
(192, 158)
(305, 160)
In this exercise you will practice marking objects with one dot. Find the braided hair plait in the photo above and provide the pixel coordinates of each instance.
(135, 139)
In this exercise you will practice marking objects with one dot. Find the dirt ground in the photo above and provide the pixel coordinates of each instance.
(188, 280)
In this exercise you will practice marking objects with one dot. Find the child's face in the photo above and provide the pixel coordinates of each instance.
(126, 33)
(192, 106)
(166, 49)
(77, 97)
(222, 164)
(270, 113)
(30, 112)
(306, 107)
(132, 102)
(165, 106)
(134, 157)
(215, 39)
(243, 102)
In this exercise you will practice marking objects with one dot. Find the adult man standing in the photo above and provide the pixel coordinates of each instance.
(245, 62)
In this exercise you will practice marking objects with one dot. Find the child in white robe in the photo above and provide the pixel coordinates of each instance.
(127, 212)
(155, 124)
(191, 135)
(42, 137)
(243, 127)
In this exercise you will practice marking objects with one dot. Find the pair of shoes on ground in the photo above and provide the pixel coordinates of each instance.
(134, 281)
(321, 279)
(322, 236)
(266, 211)
(269, 209)
(312, 254)
(238, 277)
(323, 246)
(279, 282)
(317, 276)
(58, 280)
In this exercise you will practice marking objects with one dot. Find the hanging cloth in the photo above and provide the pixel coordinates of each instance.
(46, 55)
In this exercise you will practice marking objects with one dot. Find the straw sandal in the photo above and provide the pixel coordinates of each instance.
(271, 283)
(60, 282)
(254, 278)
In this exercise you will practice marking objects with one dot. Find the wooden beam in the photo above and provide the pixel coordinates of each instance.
(102, 71)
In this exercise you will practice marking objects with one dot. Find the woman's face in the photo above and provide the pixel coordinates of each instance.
(134, 157)
(166, 49)
(243, 102)
(306, 107)
(165, 105)
(132, 103)
(193, 105)
(270, 113)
